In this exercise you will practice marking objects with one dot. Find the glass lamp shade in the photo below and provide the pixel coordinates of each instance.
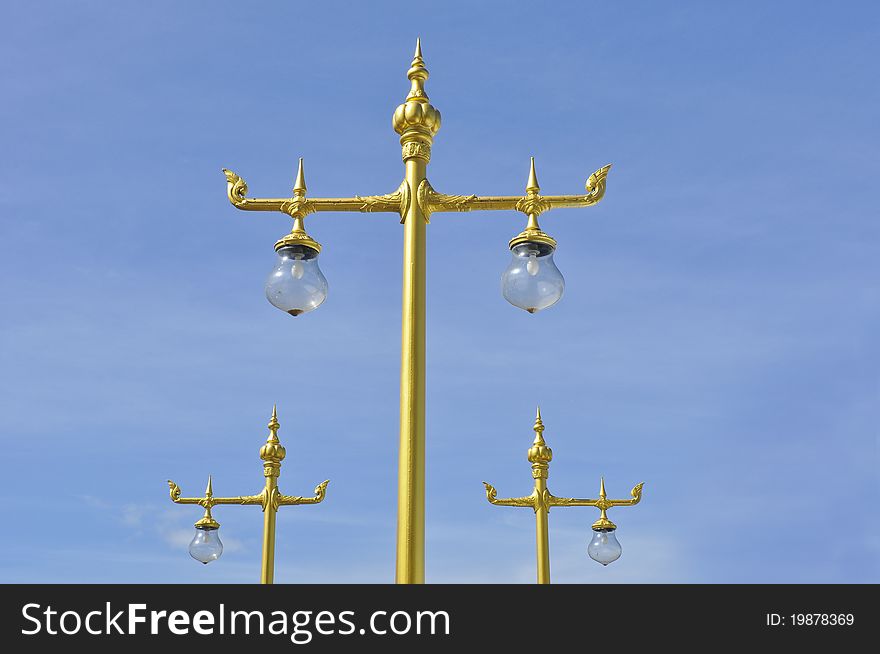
(296, 285)
(206, 545)
(604, 547)
(532, 281)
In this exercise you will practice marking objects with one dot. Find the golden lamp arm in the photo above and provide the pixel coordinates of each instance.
(492, 496)
(209, 500)
(291, 500)
(301, 206)
(602, 502)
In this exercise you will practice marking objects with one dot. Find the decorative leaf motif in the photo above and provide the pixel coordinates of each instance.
(431, 201)
(542, 500)
(298, 207)
(532, 204)
(399, 201)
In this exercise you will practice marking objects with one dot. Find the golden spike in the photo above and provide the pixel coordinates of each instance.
(539, 424)
(602, 488)
(209, 491)
(532, 184)
(273, 426)
(299, 187)
(538, 427)
(417, 74)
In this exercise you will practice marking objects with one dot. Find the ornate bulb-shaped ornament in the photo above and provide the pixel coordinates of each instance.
(532, 281)
(604, 547)
(205, 545)
(296, 285)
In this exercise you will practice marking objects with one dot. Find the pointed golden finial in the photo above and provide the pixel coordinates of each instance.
(417, 74)
(273, 426)
(273, 451)
(539, 454)
(209, 491)
(532, 184)
(416, 119)
(299, 187)
(602, 488)
(538, 426)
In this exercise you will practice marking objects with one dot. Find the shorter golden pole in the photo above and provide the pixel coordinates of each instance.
(542, 539)
(272, 454)
(540, 456)
(542, 499)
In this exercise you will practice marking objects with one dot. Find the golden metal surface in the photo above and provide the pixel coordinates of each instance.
(269, 499)
(416, 120)
(414, 127)
(541, 499)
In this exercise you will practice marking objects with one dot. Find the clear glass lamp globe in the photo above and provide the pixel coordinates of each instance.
(604, 547)
(532, 281)
(205, 545)
(296, 285)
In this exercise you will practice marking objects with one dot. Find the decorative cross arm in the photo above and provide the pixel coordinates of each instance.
(491, 495)
(532, 204)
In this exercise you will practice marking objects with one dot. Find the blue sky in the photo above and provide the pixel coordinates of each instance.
(717, 338)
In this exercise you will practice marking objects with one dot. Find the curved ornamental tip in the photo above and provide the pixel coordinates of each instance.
(174, 491)
(637, 492)
(236, 187)
(321, 491)
(491, 493)
(595, 185)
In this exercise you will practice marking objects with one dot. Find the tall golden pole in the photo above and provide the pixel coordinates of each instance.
(272, 453)
(541, 499)
(417, 121)
(411, 465)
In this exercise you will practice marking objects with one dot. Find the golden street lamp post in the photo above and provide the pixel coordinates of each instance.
(531, 282)
(206, 545)
(603, 548)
